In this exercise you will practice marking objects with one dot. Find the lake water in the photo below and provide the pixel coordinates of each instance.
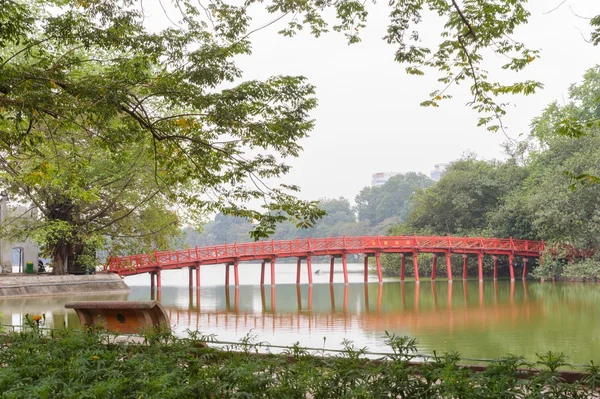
(483, 321)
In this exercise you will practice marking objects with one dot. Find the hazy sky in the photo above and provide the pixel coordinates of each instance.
(369, 119)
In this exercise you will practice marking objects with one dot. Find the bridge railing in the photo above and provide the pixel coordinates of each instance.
(322, 246)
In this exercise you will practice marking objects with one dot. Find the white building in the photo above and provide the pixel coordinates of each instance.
(14, 256)
(379, 179)
(439, 169)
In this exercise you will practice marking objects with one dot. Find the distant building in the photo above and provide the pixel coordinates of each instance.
(15, 255)
(379, 179)
(439, 170)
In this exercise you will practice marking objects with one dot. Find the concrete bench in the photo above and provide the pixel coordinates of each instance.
(121, 316)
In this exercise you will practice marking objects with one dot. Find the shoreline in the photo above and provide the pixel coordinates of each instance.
(50, 285)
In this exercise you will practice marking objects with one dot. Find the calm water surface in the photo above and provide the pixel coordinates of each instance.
(486, 320)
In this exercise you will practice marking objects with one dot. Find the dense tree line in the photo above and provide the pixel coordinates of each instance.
(377, 208)
(546, 189)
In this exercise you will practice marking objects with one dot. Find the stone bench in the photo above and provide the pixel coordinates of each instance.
(123, 317)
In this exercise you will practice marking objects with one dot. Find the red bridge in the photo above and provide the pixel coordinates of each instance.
(334, 247)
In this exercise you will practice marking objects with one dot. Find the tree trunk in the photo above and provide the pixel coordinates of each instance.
(60, 257)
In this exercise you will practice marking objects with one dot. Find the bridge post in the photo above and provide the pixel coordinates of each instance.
(152, 281)
(495, 258)
(331, 261)
(262, 273)
(480, 265)
(191, 277)
(415, 258)
(511, 266)
(309, 269)
(227, 275)
(198, 275)
(465, 264)
(236, 274)
(449, 266)
(158, 282)
(402, 267)
(345, 268)
(378, 264)
(366, 268)
(298, 267)
(433, 267)
(525, 260)
(272, 271)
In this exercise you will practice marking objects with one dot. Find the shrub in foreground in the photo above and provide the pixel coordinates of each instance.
(76, 364)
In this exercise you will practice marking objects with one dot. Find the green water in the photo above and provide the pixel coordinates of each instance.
(485, 320)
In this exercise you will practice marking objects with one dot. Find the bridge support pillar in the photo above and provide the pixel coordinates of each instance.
(415, 258)
(309, 269)
(495, 258)
(158, 282)
(480, 266)
(378, 264)
(272, 271)
(402, 267)
(511, 267)
(262, 273)
(433, 266)
(366, 268)
(227, 275)
(152, 281)
(236, 275)
(449, 266)
(465, 265)
(298, 268)
(331, 262)
(191, 276)
(525, 268)
(345, 268)
(198, 276)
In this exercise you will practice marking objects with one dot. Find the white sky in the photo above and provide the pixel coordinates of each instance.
(369, 119)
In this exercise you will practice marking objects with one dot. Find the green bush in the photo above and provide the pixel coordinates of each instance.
(72, 364)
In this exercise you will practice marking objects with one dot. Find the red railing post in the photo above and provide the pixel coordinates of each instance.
(235, 273)
(345, 268)
(272, 271)
(378, 264)
(198, 277)
(298, 267)
(402, 267)
(416, 265)
(449, 266)
(331, 261)
(495, 258)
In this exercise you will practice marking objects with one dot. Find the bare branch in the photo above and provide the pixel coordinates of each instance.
(556, 8)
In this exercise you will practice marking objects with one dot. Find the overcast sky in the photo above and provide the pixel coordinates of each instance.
(369, 119)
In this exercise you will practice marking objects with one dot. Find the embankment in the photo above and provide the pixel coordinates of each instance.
(22, 285)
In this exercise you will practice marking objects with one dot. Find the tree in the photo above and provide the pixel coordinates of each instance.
(461, 201)
(111, 129)
(391, 200)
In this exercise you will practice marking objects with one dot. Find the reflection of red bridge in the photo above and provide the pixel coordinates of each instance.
(449, 315)
(334, 247)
